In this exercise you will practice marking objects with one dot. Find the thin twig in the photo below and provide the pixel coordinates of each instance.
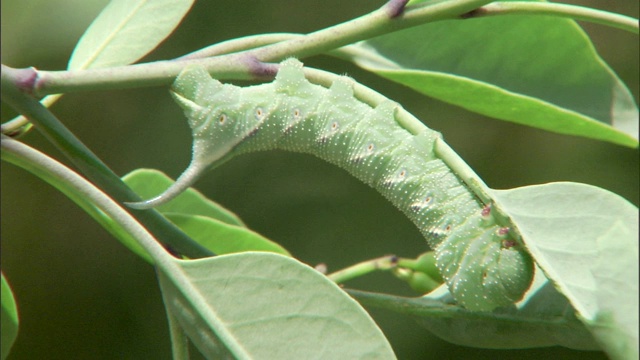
(618, 21)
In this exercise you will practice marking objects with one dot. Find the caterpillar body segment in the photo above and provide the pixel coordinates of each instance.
(482, 260)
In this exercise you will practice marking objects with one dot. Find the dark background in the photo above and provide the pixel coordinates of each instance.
(82, 295)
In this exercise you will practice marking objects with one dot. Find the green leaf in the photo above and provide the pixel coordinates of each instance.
(538, 71)
(543, 318)
(617, 330)
(57, 175)
(205, 221)
(9, 318)
(148, 183)
(222, 238)
(125, 31)
(267, 306)
(585, 239)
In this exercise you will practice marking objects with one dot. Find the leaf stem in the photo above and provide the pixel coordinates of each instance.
(376, 23)
(90, 165)
(382, 263)
(20, 125)
(248, 64)
(576, 12)
(39, 164)
(239, 44)
(81, 191)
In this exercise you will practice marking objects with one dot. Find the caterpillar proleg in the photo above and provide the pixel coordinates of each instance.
(479, 255)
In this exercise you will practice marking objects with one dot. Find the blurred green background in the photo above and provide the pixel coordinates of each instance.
(83, 295)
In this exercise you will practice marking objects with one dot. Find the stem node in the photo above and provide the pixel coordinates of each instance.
(395, 8)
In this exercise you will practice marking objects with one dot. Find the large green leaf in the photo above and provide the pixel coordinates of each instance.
(205, 221)
(223, 238)
(585, 239)
(537, 71)
(617, 330)
(267, 306)
(9, 318)
(125, 31)
(543, 318)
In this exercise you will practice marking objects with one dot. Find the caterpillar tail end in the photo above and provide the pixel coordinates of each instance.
(183, 182)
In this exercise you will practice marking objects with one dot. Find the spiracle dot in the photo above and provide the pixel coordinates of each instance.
(486, 211)
(259, 113)
(508, 243)
(222, 118)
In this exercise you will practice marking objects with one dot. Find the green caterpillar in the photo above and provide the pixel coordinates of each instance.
(480, 256)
